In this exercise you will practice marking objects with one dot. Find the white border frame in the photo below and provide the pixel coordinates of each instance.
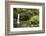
(29, 28)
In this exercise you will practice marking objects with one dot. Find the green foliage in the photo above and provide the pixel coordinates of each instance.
(35, 20)
(31, 17)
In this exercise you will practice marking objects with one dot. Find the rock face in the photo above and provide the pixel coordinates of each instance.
(24, 18)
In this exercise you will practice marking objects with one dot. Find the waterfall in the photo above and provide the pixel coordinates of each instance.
(18, 19)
